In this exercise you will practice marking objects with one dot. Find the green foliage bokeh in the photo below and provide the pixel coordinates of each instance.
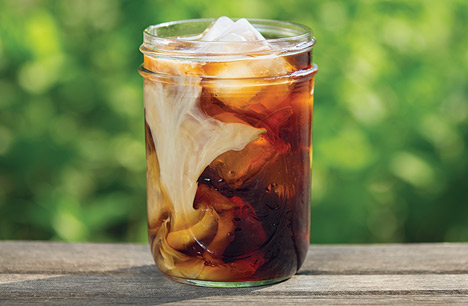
(390, 121)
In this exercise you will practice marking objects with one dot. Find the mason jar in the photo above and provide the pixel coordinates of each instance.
(228, 151)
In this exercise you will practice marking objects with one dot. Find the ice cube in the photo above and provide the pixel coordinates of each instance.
(226, 30)
(209, 197)
(217, 28)
(236, 167)
(241, 30)
(173, 66)
(241, 80)
(242, 37)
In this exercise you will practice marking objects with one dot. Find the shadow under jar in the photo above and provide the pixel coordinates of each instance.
(228, 152)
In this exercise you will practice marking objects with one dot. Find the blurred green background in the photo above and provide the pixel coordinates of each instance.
(390, 121)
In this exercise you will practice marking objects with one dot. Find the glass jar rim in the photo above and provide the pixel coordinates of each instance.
(296, 38)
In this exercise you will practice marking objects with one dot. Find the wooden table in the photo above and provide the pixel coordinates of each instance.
(100, 274)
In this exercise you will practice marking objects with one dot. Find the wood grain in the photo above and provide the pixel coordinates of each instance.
(107, 274)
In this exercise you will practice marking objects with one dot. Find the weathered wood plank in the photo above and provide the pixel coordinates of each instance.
(332, 300)
(387, 258)
(59, 257)
(108, 274)
(298, 285)
(148, 288)
(251, 300)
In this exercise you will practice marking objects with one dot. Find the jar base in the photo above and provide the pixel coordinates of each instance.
(215, 284)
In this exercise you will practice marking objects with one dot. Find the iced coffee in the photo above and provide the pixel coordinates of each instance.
(228, 117)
